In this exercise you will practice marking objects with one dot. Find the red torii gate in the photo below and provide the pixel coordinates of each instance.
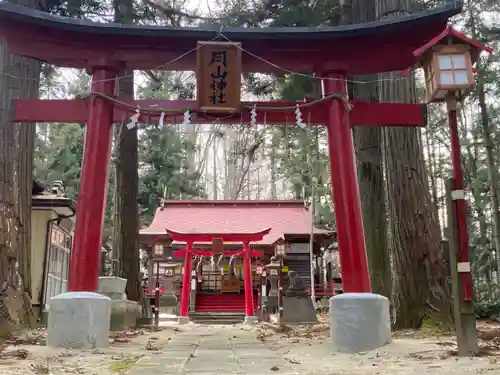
(333, 53)
(246, 252)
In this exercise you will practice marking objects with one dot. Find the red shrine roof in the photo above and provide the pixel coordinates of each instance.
(371, 47)
(284, 217)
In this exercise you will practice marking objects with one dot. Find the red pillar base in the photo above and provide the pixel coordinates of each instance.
(345, 190)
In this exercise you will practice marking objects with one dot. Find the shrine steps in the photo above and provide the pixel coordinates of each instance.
(220, 302)
(220, 308)
(217, 317)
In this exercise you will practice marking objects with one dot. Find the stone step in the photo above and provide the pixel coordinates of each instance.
(217, 317)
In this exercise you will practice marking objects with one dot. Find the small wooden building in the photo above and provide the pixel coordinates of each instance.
(52, 223)
(289, 220)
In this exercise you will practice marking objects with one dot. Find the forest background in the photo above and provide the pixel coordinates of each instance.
(404, 222)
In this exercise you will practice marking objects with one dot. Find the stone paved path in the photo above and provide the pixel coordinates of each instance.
(210, 350)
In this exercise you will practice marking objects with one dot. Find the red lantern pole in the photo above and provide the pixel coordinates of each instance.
(345, 190)
(86, 253)
(458, 195)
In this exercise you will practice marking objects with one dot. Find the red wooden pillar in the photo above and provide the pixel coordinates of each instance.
(351, 238)
(86, 252)
(461, 208)
(186, 279)
(247, 279)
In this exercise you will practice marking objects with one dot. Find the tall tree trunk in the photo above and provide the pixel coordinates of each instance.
(368, 144)
(415, 235)
(125, 230)
(273, 160)
(490, 151)
(20, 79)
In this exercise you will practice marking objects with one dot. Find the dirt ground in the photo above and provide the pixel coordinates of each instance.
(306, 348)
(410, 352)
(27, 354)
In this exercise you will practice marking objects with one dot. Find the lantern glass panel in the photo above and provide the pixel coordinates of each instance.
(446, 78)
(445, 62)
(158, 249)
(461, 77)
(459, 62)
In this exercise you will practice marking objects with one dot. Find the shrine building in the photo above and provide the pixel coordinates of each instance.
(217, 279)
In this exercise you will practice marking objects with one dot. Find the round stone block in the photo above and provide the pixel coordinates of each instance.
(79, 320)
(359, 322)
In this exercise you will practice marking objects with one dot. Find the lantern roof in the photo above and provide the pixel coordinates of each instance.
(452, 36)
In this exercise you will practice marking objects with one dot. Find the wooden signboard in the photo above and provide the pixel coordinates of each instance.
(218, 77)
(217, 246)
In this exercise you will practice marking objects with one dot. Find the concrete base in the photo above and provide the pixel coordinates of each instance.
(251, 320)
(359, 322)
(124, 314)
(298, 310)
(113, 287)
(183, 319)
(169, 304)
(79, 320)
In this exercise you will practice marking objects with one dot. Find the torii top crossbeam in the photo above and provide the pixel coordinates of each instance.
(380, 46)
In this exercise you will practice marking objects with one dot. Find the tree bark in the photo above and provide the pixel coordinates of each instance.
(490, 151)
(368, 145)
(20, 79)
(126, 225)
(415, 234)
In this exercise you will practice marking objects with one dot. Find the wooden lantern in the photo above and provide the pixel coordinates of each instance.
(448, 61)
(448, 72)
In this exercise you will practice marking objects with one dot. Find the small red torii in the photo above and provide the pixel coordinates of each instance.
(191, 238)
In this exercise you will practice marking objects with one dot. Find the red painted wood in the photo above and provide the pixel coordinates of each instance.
(362, 53)
(86, 252)
(363, 113)
(450, 32)
(186, 281)
(182, 253)
(345, 192)
(460, 205)
(226, 237)
(247, 280)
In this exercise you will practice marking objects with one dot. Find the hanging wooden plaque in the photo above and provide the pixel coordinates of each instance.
(217, 246)
(218, 77)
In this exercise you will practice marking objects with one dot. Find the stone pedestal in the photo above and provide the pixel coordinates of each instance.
(169, 304)
(124, 314)
(113, 287)
(359, 322)
(79, 320)
(298, 310)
